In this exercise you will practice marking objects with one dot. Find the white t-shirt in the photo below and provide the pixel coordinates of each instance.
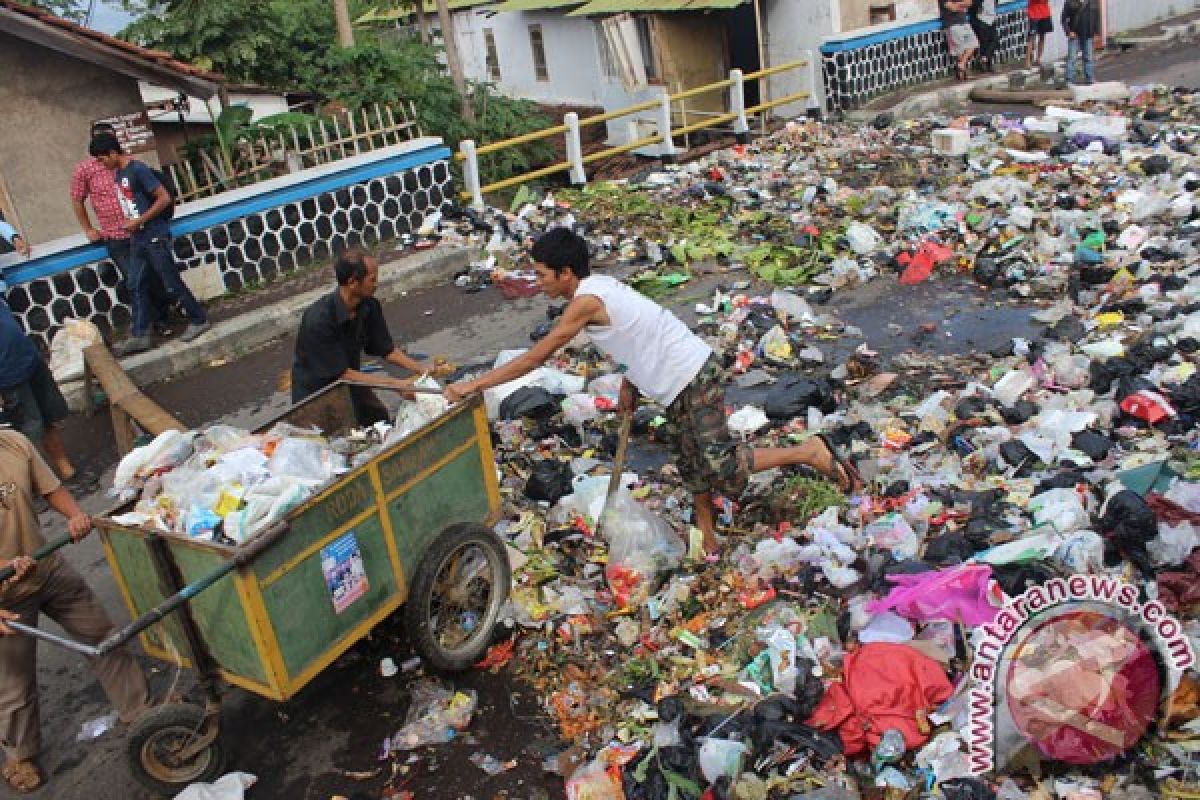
(659, 353)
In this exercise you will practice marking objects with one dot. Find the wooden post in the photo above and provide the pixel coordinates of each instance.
(345, 31)
(126, 402)
(453, 60)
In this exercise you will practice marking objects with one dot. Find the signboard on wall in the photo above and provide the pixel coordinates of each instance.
(133, 131)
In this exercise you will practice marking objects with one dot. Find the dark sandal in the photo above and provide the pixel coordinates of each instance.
(23, 777)
(850, 478)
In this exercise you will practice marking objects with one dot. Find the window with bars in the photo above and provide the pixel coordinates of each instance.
(491, 56)
(538, 45)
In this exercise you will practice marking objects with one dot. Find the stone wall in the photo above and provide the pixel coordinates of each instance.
(864, 65)
(251, 235)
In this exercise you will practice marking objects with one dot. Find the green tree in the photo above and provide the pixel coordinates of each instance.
(74, 10)
(290, 45)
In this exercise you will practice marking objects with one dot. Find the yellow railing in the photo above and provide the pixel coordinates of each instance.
(469, 153)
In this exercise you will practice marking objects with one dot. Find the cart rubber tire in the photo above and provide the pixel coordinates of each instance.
(417, 608)
(151, 730)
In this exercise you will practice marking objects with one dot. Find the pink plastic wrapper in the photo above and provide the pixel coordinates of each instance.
(963, 594)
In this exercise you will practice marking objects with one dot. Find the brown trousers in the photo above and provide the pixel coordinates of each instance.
(67, 600)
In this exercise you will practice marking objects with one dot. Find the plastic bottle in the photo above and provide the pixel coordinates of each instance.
(889, 750)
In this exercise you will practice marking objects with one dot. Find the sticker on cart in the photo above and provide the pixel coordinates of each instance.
(345, 574)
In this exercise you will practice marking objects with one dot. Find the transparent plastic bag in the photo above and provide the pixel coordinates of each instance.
(579, 409)
(863, 239)
(436, 715)
(641, 545)
(306, 459)
(596, 781)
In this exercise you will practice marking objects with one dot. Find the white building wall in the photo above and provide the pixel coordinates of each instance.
(573, 64)
(572, 57)
(792, 27)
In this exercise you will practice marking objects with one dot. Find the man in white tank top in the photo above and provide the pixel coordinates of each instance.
(663, 360)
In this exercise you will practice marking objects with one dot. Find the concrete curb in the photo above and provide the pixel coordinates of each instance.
(233, 338)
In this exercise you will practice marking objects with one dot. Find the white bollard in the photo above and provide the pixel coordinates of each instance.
(737, 104)
(471, 172)
(574, 149)
(667, 149)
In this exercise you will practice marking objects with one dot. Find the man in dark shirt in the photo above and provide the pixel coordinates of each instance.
(147, 206)
(337, 329)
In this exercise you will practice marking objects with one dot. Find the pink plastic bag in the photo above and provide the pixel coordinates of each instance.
(964, 594)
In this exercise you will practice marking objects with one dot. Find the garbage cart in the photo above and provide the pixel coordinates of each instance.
(410, 529)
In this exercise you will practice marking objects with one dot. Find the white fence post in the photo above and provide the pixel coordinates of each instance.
(471, 172)
(574, 149)
(737, 105)
(815, 90)
(667, 150)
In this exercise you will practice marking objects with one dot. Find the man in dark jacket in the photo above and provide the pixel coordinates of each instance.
(1081, 21)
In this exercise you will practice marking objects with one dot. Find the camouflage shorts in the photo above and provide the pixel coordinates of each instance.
(696, 431)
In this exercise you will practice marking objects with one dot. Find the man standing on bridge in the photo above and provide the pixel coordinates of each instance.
(337, 329)
(661, 358)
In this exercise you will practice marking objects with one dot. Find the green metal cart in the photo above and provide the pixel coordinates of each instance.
(411, 528)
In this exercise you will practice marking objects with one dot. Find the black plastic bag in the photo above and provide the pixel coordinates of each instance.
(1128, 523)
(1018, 412)
(951, 548)
(1187, 396)
(794, 394)
(533, 402)
(967, 789)
(1016, 454)
(1094, 445)
(549, 481)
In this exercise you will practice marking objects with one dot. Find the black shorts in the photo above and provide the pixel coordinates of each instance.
(1041, 26)
(41, 403)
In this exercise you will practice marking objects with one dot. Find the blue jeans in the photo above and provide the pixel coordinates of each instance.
(156, 254)
(1076, 47)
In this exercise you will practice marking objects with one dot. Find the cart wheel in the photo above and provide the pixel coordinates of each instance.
(459, 588)
(157, 738)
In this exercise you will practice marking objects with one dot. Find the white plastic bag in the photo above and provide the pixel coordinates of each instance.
(1059, 508)
(794, 307)
(306, 459)
(1173, 544)
(775, 345)
(67, 346)
(135, 466)
(1009, 389)
(641, 544)
(228, 787)
(579, 409)
(863, 239)
(418, 412)
(1082, 552)
(747, 420)
(721, 757)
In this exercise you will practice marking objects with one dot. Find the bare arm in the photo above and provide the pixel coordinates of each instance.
(79, 524)
(85, 222)
(403, 359)
(162, 201)
(578, 314)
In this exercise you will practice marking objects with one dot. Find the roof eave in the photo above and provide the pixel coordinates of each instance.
(93, 52)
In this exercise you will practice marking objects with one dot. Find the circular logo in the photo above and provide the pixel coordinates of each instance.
(1082, 687)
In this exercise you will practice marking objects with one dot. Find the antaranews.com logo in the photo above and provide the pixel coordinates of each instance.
(1070, 670)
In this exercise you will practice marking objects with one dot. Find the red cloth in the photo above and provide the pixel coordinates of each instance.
(1169, 511)
(1039, 9)
(883, 686)
(92, 180)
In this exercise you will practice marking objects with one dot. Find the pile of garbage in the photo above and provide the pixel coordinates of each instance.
(832, 650)
(227, 485)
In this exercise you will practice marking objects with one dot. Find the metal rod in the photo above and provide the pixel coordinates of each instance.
(39, 554)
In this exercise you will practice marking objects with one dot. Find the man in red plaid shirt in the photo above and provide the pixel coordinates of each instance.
(96, 182)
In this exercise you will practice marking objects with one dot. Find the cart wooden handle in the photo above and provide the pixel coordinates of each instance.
(614, 481)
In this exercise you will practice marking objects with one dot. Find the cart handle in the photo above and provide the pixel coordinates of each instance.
(39, 554)
(412, 389)
(118, 638)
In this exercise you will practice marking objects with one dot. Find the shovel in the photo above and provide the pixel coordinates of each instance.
(614, 481)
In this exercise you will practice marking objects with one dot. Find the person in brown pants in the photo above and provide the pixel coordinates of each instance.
(54, 587)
